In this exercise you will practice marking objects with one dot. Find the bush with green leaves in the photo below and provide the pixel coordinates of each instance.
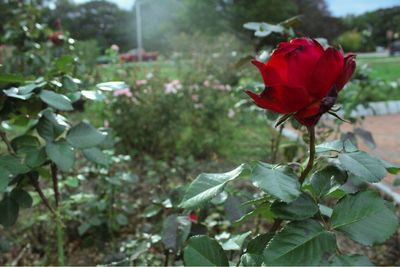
(350, 41)
(167, 119)
(40, 138)
(309, 206)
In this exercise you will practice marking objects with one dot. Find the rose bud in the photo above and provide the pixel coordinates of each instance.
(303, 79)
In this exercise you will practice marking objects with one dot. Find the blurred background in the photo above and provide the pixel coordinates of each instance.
(177, 108)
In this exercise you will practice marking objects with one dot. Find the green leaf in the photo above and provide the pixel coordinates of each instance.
(82, 229)
(36, 157)
(235, 242)
(151, 211)
(22, 197)
(327, 180)
(51, 125)
(300, 243)
(62, 154)
(93, 95)
(95, 155)
(65, 63)
(28, 146)
(13, 165)
(364, 217)
(206, 186)
(275, 181)
(258, 244)
(175, 231)
(390, 167)
(85, 135)
(263, 29)
(4, 178)
(122, 219)
(301, 208)
(25, 143)
(262, 209)
(111, 86)
(249, 259)
(9, 211)
(57, 101)
(350, 260)
(336, 145)
(15, 93)
(204, 251)
(70, 83)
(364, 166)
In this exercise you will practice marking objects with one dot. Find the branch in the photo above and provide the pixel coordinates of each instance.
(7, 142)
(42, 196)
(53, 168)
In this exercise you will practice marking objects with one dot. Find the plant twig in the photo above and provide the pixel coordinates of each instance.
(276, 226)
(166, 260)
(7, 142)
(54, 177)
(310, 163)
(36, 185)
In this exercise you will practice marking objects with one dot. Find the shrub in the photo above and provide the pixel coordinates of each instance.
(166, 119)
(350, 41)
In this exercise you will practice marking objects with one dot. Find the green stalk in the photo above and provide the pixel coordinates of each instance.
(58, 217)
(310, 163)
(60, 240)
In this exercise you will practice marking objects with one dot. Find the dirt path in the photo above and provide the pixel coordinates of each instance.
(386, 133)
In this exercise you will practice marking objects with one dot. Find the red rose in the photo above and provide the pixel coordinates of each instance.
(193, 217)
(303, 79)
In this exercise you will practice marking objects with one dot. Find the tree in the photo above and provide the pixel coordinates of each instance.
(100, 20)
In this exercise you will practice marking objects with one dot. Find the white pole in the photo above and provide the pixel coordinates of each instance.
(139, 31)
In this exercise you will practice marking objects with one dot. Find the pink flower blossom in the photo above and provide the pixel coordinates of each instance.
(115, 47)
(195, 98)
(140, 82)
(206, 83)
(172, 87)
(125, 92)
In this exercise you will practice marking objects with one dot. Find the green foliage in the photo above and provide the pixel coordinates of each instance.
(277, 181)
(40, 90)
(350, 41)
(375, 25)
(310, 243)
(208, 185)
(310, 209)
(204, 251)
(370, 221)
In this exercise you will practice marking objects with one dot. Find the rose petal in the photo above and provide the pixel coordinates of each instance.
(327, 70)
(267, 101)
(295, 61)
(281, 99)
(349, 67)
(269, 75)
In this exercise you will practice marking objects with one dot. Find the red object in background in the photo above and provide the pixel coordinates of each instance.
(303, 79)
(133, 56)
(57, 38)
(57, 24)
(193, 217)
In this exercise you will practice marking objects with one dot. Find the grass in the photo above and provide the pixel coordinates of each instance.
(386, 68)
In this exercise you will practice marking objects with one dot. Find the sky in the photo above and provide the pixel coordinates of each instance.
(338, 8)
